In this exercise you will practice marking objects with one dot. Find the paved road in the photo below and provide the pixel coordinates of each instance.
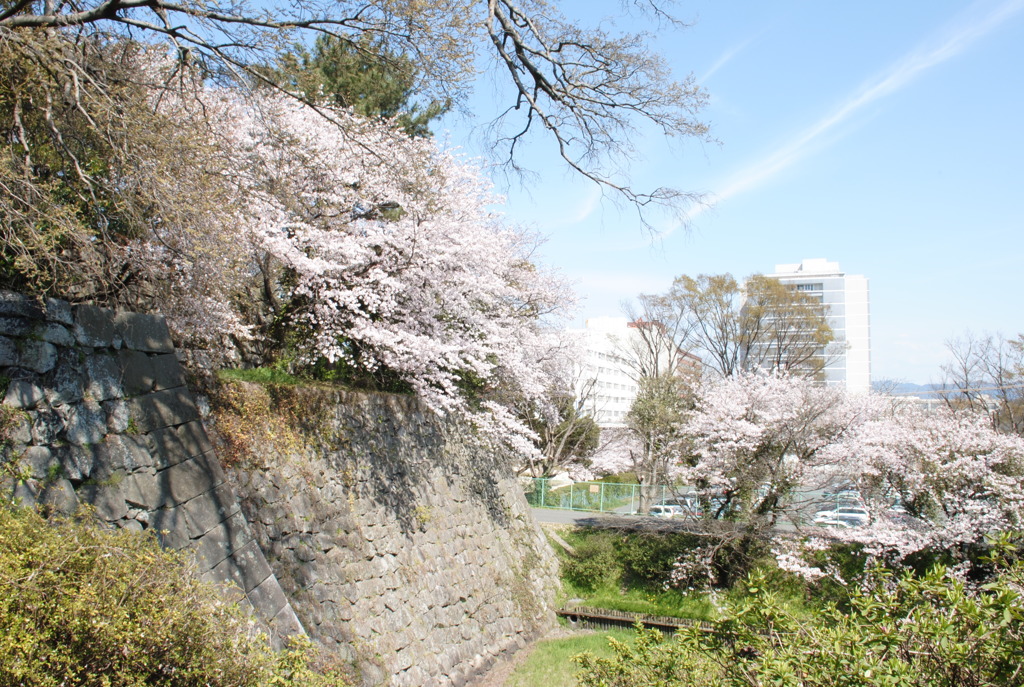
(569, 517)
(585, 518)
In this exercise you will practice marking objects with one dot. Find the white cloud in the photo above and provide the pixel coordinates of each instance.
(722, 61)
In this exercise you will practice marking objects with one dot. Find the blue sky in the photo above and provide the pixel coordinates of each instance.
(888, 137)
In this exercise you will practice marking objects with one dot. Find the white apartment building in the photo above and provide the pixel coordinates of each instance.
(612, 347)
(848, 360)
(605, 342)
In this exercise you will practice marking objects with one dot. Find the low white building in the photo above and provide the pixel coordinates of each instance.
(615, 352)
(606, 367)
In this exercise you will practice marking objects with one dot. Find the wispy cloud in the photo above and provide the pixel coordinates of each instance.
(585, 208)
(933, 52)
(722, 61)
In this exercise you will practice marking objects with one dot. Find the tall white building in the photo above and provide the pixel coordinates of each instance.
(848, 361)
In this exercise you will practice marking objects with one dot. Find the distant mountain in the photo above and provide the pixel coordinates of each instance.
(909, 388)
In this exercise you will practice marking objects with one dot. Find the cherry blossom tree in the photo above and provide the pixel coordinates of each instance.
(567, 434)
(957, 478)
(756, 439)
(376, 253)
(389, 262)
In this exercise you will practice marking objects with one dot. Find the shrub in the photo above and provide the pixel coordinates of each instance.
(85, 606)
(934, 630)
(648, 558)
(593, 564)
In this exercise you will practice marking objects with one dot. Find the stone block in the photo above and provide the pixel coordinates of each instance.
(8, 352)
(84, 423)
(103, 377)
(144, 332)
(246, 568)
(136, 371)
(38, 356)
(162, 409)
(54, 333)
(145, 490)
(208, 510)
(194, 439)
(17, 305)
(107, 500)
(286, 623)
(60, 496)
(117, 415)
(21, 431)
(123, 452)
(189, 479)
(167, 447)
(167, 371)
(169, 525)
(16, 327)
(47, 425)
(77, 461)
(58, 311)
(24, 493)
(41, 462)
(220, 542)
(66, 383)
(268, 598)
(212, 465)
(23, 395)
(94, 327)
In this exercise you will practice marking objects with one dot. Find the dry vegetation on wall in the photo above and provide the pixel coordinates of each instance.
(248, 415)
(251, 416)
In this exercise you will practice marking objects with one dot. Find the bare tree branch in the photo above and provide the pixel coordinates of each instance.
(587, 90)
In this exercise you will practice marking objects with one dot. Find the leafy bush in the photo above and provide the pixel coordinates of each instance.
(85, 606)
(934, 630)
(647, 558)
(594, 564)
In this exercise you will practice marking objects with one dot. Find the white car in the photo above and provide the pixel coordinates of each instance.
(854, 516)
(826, 519)
(665, 511)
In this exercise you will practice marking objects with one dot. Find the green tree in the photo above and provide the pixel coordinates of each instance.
(653, 421)
(362, 75)
(760, 324)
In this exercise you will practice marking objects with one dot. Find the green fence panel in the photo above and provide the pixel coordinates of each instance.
(599, 497)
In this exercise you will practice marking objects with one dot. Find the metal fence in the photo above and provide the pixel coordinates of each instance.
(598, 497)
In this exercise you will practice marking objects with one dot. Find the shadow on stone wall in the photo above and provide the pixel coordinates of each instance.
(100, 414)
(402, 542)
(399, 535)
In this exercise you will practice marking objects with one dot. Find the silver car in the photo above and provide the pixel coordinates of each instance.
(855, 516)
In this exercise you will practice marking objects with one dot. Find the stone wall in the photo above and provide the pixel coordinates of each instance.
(399, 536)
(394, 539)
(97, 412)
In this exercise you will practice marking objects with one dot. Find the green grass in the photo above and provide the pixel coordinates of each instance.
(259, 375)
(550, 664)
(671, 603)
(603, 581)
